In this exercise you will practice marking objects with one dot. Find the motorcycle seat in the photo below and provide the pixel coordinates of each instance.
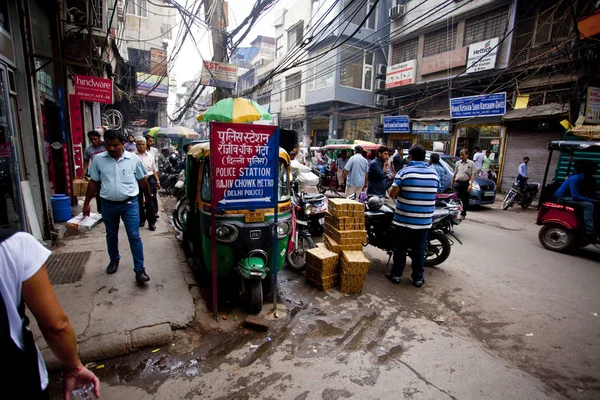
(445, 195)
(440, 212)
(315, 196)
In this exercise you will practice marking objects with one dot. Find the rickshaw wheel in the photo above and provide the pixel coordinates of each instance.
(255, 295)
(556, 238)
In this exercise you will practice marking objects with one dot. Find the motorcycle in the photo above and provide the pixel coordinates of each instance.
(300, 238)
(170, 174)
(521, 192)
(381, 233)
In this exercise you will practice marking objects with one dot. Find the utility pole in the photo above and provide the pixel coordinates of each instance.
(215, 13)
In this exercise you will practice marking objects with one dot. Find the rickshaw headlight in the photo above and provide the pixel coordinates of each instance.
(309, 209)
(226, 233)
(283, 229)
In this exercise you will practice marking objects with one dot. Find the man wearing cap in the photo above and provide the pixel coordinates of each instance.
(122, 175)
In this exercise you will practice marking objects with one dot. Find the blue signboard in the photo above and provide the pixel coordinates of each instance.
(61, 114)
(396, 124)
(244, 162)
(485, 105)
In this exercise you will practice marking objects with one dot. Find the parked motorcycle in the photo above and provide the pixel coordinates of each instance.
(301, 238)
(169, 175)
(521, 192)
(381, 233)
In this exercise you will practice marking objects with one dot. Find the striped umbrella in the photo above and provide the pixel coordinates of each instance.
(236, 110)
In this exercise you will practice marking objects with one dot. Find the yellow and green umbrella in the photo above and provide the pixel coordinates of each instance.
(236, 110)
(152, 131)
(173, 132)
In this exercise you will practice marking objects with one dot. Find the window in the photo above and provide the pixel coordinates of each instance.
(405, 51)
(139, 8)
(356, 11)
(279, 47)
(295, 35)
(314, 10)
(139, 59)
(356, 71)
(486, 26)
(264, 100)
(293, 87)
(320, 71)
(439, 41)
(166, 29)
(552, 22)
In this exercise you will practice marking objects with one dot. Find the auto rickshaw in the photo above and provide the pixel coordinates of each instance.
(244, 237)
(562, 227)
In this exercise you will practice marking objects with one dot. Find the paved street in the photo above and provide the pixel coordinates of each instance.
(502, 319)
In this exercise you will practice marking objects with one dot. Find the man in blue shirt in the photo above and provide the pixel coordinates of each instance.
(434, 162)
(122, 175)
(416, 187)
(378, 178)
(355, 174)
(573, 192)
(521, 178)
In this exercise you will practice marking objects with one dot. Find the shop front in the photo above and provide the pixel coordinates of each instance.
(357, 129)
(432, 134)
(319, 131)
(488, 136)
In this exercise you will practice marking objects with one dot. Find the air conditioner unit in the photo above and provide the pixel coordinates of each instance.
(381, 69)
(380, 84)
(397, 11)
(381, 99)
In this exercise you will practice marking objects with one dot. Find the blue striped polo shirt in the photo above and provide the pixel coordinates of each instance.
(415, 202)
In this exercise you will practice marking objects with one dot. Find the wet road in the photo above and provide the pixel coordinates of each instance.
(501, 319)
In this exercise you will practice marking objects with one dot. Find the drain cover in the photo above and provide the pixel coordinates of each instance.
(67, 267)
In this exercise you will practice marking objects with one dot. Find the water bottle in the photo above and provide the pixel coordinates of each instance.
(83, 392)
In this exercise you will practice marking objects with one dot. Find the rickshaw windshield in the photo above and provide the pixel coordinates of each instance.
(284, 186)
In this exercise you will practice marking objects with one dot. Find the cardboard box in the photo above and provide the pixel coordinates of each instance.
(352, 284)
(79, 187)
(322, 282)
(323, 260)
(354, 263)
(349, 237)
(337, 248)
(344, 207)
(344, 223)
(83, 224)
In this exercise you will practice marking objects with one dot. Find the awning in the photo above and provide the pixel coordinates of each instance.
(536, 112)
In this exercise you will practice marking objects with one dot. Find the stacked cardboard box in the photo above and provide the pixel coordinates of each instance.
(322, 268)
(345, 233)
(354, 267)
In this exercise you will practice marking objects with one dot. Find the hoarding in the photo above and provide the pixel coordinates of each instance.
(219, 75)
(401, 74)
(244, 161)
(93, 89)
(592, 108)
(395, 124)
(482, 55)
(152, 85)
(431, 127)
(485, 105)
(443, 61)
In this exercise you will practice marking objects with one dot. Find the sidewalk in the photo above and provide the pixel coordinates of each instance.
(111, 314)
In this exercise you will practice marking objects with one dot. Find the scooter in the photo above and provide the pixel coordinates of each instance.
(381, 233)
(301, 239)
(521, 192)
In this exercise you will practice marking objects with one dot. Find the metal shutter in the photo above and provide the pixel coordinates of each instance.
(533, 145)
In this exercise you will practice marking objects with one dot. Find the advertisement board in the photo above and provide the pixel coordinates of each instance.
(443, 61)
(244, 160)
(485, 105)
(401, 74)
(395, 124)
(482, 55)
(93, 89)
(152, 85)
(592, 107)
(219, 75)
(431, 127)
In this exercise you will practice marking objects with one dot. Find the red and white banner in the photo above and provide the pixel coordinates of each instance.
(94, 89)
(401, 74)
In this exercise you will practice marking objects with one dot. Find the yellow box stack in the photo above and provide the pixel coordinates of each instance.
(354, 267)
(345, 235)
(322, 268)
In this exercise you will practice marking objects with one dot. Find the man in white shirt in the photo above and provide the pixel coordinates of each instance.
(150, 146)
(149, 162)
(477, 159)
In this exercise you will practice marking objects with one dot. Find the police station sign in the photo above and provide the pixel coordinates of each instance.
(482, 55)
(244, 161)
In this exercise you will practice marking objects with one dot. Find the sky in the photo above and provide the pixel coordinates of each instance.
(189, 62)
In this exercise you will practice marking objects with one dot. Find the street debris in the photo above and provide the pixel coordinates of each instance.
(224, 317)
(100, 366)
(269, 339)
(382, 349)
(254, 346)
(595, 314)
(155, 350)
(314, 350)
(529, 334)
(439, 320)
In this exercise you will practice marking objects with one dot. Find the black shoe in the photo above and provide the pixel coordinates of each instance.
(419, 283)
(393, 278)
(142, 224)
(152, 227)
(112, 266)
(141, 277)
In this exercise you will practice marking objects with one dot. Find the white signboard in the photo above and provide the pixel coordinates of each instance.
(592, 109)
(219, 74)
(482, 55)
(401, 74)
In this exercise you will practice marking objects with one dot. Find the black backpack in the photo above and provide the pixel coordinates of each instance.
(19, 371)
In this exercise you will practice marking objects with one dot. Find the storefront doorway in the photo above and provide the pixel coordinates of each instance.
(11, 206)
(487, 137)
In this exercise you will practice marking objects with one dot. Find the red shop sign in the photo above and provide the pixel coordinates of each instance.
(93, 89)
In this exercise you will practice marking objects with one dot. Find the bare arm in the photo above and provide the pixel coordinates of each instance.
(91, 192)
(394, 191)
(344, 175)
(57, 330)
(86, 164)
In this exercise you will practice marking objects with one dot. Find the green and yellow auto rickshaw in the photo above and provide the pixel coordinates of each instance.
(244, 237)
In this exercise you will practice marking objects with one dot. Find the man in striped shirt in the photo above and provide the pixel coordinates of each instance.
(415, 187)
